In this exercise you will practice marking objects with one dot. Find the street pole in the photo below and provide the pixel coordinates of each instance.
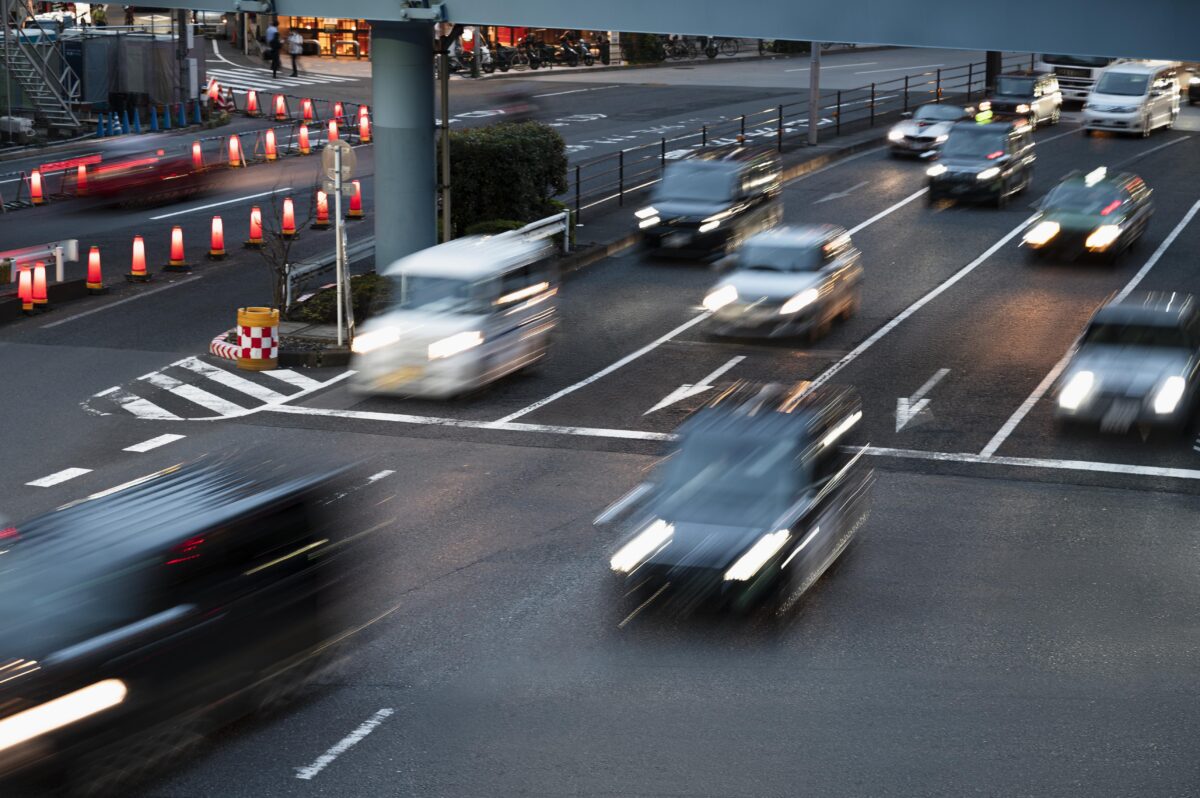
(339, 227)
(475, 65)
(814, 91)
(444, 78)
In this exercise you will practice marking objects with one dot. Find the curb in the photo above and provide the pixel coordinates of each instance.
(221, 348)
(291, 358)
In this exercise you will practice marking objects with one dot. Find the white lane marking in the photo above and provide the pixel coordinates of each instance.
(217, 53)
(345, 744)
(833, 66)
(575, 91)
(242, 412)
(371, 480)
(875, 337)
(604, 372)
(840, 194)
(59, 476)
(898, 69)
(154, 443)
(887, 211)
(503, 426)
(1152, 150)
(141, 295)
(292, 378)
(118, 488)
(219, 204)
(229, 380)
(689, 390)
(376, 477)
(1037, 462)
(136, 405)
(1043, 386)
(192, 394)
(908, 407)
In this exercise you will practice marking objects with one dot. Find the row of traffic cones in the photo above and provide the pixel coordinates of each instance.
(115, 124)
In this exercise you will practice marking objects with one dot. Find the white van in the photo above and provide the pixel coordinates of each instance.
(1133, 97)
(459, 316)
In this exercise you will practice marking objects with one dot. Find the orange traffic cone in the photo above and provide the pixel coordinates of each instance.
(338, 113)
(39, 285)
(252, 103)
(333, 131)
(235, 152)
(216, 249)
(305, 149)
(25, 289)
(281, 112)
(177, 263)
(95, 283)
(256, 237)
(356, 209)
(322, 220)
(269, 145)
(306, 110)
(197, 157)
(288, 227)
(364, 129)
(81, 180)
(137, 269)
(35, 187)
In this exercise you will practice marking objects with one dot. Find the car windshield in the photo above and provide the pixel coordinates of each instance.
(1136, 335)
(726, 479)
(697, 181)
(1076, 60)
(433, 294)
(774, 258)
(1078, 198)
(938, 113)
(1014, 87)
(976, 141)
(1128, 84)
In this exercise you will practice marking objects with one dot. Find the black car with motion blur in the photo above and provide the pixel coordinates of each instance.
(707, 204)
(135, 622)
(1033, 96)
(988, 160)
(761, 496)
(1099, 213)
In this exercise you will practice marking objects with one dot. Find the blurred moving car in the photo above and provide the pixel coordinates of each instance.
(130, 174)
(760, 497)
(518, 106)
(459, 315)
(787, 282)
(1094, 213)
(1193, 91)
(986, 160)
(709, 203)
(1136, 362)
(1029, 95)
(923, 131)
(139, 619)
(1133, 97)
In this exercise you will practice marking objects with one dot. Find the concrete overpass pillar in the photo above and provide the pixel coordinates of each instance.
(402, 111)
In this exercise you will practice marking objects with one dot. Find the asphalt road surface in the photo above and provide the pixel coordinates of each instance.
(1017, 617)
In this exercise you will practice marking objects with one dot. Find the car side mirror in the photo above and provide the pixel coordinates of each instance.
(906, 115)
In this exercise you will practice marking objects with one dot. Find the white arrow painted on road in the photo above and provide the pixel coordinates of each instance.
(908, 407)
(840, 194)
(688, 391)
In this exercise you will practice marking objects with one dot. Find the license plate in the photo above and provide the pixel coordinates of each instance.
(400, 376)
(1120, 416)
(676, 240)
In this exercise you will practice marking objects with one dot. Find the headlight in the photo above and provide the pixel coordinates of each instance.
(799, 301)
(1194, 80)
(756, 557)
(646, 213)
(720, 298)
(712, 225)
(941, 138)
(649, 221)
(60, 712)
(1102, 236)
(1168, 396)
(1076, 390)
(989, 173)
(936, 169)
(374, 339)
(1023, 108)
(895, 135)
(1041, 233)
(459, 342)
(648, 541)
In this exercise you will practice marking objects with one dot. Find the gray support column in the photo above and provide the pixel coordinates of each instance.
(402, 117)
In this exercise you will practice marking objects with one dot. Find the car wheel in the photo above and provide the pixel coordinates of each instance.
(931, 198)
(1146, 129)
(1172, 118)
(819, 330)
(1087, 132)
(1056, 115)
(852, 307)
(1002, 197)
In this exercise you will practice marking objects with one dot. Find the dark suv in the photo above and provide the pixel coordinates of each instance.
(709, 203)
(989, 160)
(1029, 94)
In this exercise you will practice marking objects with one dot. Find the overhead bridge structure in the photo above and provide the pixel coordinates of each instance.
(402, 66)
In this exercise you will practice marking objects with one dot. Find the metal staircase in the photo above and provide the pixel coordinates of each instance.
(29, 55)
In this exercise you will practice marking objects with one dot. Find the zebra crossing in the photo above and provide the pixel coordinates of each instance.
(192, 389)
(243, 79)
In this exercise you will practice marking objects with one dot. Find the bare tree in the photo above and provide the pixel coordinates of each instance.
(276, 249)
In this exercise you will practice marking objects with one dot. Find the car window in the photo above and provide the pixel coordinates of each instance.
(1014, 86)
(976, 141)
(698, 181)
(437, 294)
(1129, 84)
(938, 113)
(1137, 335)
(1078, 198)
(777, 258)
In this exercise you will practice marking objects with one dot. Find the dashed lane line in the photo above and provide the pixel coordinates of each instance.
(58, 477)
(110, 305)
(153, 443)
(345, 744)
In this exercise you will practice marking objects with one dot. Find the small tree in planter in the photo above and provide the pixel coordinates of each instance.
(276, 249)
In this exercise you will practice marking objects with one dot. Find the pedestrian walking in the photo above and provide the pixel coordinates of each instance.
(274, 45)
(295, 45)
(99, 18)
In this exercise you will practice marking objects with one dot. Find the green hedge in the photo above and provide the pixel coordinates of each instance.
(641, 48)
(785, 46)
(505, 171)
(367, 291)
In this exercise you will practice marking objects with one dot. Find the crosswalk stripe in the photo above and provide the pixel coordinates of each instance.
(193, 394)
(137, 405)
(293, 378)
(262, 73)
(153, 443)
(229, 380)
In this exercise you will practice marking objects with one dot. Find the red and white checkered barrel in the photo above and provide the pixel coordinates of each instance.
(258, 339)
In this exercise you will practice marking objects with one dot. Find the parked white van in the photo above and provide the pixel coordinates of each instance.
(1133, 97)
(459, 316)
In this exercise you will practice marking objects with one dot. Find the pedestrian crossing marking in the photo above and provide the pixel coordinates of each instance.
(242, 80)
(230, 380)
(199, 396)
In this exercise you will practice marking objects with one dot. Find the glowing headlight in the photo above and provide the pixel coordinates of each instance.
(799, 301)
(1023, 108)
(895, 135)
(374, 339)
(941, 138)
(936, 169)
(756, 557)
(646, 213)
(720, 298)
(60, 712)
(459, 342)
(1103, 236)
(1168, 396)
(648, 541)
(1194, 80)
(1041, 233)
(648, 222)
(704, 228)
(1076, 390)
(989, 173)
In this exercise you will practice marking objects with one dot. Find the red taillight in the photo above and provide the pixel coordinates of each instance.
(9, 533)
(187, 550)
(994, 155)
(1112, 206)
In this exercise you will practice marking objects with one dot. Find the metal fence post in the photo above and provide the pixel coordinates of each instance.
(704, 135)
(970, 78)
(906, 93)
(779, 131)
(620, 178)
(662, 158)
(743, 124)
(872, 105)
(577, 194)
(939, 84)
(837, 129)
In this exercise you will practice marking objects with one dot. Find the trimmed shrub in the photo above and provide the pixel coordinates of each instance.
(641, 48)
(367, 291)
(792, 47)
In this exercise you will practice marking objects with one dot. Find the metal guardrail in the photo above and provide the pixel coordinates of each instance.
(544, 228)
(58, 251)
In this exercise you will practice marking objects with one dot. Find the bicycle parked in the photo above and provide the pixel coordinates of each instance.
(721, 46)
